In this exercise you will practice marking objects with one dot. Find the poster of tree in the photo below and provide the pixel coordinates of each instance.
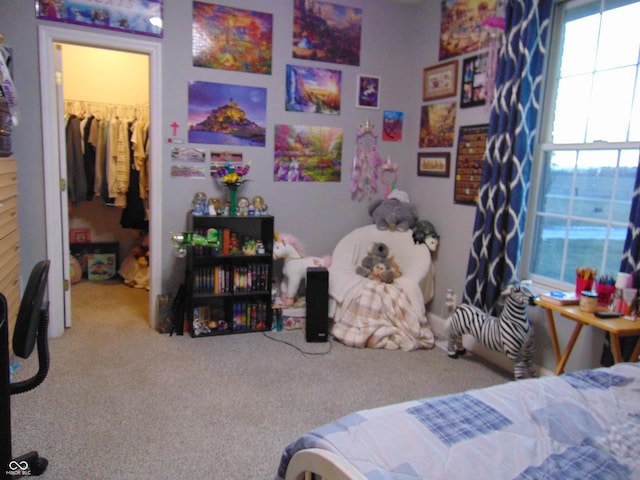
(307, 153)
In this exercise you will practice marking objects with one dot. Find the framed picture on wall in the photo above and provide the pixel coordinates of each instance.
(472, 142)
(473, 91)
(368, 95)
(434, 164)
(440, 81)
(143, 17)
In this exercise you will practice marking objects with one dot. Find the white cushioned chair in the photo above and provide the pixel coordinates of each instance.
(369, 313)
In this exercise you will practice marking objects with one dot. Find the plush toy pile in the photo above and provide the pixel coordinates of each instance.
(134, 269)
(379, 264)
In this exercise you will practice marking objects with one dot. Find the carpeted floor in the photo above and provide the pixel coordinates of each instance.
(123, 401)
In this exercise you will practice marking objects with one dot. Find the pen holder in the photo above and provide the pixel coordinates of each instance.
(583, 284)
(605, 294)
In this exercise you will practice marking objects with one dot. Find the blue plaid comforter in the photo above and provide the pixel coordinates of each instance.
(579, 426)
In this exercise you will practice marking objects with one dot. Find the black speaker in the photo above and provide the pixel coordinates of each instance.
(317, 295)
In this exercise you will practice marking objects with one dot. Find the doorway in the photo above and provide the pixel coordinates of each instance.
(54, 151)
(106, 111)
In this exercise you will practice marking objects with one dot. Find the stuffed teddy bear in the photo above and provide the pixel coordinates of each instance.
(382, 271)
(396, 212)
(377, 254)
(379, 264)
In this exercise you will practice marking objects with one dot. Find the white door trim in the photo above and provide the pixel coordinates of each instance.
(47, 36)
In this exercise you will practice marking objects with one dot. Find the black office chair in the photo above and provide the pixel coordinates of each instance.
(32, 325)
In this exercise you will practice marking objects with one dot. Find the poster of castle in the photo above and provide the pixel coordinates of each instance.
(307, 153)
(230, 38)
(227, 114)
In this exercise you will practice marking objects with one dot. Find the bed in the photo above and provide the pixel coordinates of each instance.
(374, 314)
(581, 425)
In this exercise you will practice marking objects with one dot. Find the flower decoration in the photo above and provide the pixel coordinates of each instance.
(231, 175)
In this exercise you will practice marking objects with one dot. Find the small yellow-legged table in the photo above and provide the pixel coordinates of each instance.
(617, 327)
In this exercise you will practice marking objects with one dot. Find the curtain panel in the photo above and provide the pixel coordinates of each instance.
(504, 187)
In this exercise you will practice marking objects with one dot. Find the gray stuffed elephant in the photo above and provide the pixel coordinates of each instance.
(394, 213)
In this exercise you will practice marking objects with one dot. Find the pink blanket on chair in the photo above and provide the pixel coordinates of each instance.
(380, 316)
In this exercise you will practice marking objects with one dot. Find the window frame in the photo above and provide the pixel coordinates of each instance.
(544, 145)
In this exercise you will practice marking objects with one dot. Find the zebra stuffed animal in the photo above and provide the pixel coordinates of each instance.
(510, 333)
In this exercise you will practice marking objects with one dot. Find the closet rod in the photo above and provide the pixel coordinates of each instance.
(111, 104)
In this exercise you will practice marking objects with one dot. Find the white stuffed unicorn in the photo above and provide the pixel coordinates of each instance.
(295, 266)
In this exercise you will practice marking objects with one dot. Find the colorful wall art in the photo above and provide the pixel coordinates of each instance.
(437, 125)
(307, 154)
(392, 126)
(230, 38)
(143, 17)
(461, 25)
(368, 95)
(227, 114)
(313, 90)
(326, 32)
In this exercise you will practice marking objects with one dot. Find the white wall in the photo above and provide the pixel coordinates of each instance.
(105, 76)
(398, 41)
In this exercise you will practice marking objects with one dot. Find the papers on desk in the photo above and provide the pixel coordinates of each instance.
(558, 297)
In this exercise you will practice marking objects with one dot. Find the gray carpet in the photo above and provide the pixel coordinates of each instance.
(123, 401)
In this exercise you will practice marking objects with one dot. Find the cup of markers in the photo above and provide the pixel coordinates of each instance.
(605, 288)
(585, 277)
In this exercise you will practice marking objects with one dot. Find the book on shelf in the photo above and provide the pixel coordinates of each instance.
(558, 297)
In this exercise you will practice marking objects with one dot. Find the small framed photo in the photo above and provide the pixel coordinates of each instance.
(368, 95)
(440, 81)
(434, 164)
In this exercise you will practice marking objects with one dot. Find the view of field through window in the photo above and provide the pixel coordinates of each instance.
(587, 183)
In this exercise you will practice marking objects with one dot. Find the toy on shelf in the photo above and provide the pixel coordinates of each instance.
(199, 204)
(183, 240)
(295, 266)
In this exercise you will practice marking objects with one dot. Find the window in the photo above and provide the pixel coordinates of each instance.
(585, 166)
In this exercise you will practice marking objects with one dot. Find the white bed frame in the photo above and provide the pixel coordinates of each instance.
(321, 462)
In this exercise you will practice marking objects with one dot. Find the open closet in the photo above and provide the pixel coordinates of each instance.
(106, 127)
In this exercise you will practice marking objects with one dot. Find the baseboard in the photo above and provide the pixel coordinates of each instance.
(439, 328)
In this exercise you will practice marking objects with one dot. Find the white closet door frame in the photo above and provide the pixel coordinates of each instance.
(63, 198)
(47, 37)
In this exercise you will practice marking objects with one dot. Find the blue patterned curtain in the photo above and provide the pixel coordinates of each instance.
(630, 264)
(504, 187)
(631, 256)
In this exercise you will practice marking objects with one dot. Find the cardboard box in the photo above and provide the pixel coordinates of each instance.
(101, 266)
(82, 251)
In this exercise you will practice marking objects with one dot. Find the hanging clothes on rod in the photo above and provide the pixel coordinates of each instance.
(110, 159)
